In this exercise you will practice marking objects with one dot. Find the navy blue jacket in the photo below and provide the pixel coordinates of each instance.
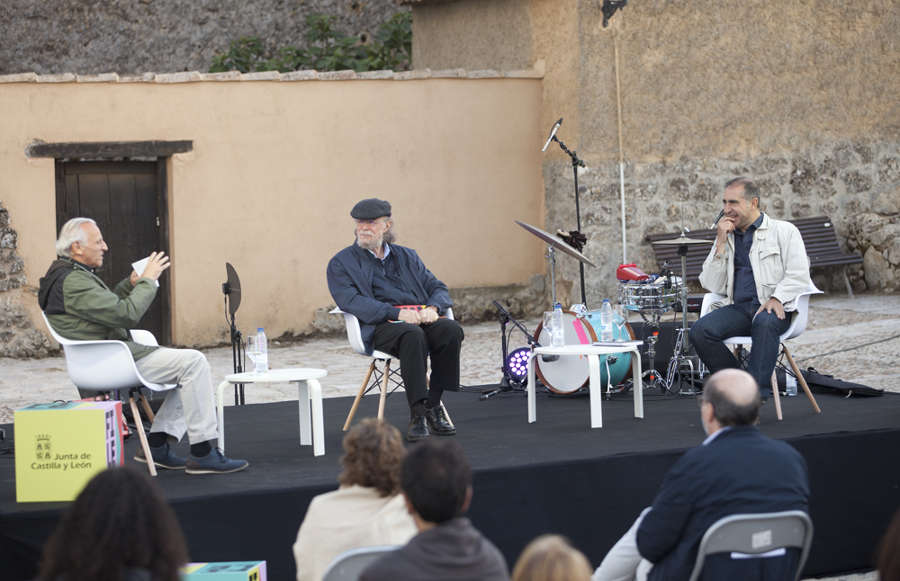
(350, 274)
(740, 471)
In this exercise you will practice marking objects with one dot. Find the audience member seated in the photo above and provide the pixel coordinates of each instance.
(551, 558)
(366, 510)
(736, 470)
(120, 528)
(889, 552)
(436, 482)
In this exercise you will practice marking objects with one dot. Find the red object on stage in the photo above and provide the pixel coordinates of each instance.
(630, 272)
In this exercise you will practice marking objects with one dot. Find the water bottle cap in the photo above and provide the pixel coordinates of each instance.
(605, 300)
(259, 329)
(557, 306)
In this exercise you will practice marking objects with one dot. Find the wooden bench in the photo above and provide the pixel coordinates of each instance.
(818, 234)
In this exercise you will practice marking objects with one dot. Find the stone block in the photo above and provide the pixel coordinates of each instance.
(337, 75)
(19, 78)
(305, 75)
(856, 181)
(375, 75)
(888, 201)
(101, 78)
(171, 78)
(879, 274)
(60, 78)
(223, 76)
(261, 76)
(889, 170)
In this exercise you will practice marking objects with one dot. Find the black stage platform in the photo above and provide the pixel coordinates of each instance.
(556, 475)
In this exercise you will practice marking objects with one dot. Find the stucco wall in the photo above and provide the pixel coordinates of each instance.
(801, 95)
(276, 167)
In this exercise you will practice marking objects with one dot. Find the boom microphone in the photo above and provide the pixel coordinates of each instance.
(552, 134)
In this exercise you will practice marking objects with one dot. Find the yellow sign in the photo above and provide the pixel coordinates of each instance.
(60, 446)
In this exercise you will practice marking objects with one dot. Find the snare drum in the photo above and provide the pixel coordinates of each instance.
(655, 296)
(566, 374)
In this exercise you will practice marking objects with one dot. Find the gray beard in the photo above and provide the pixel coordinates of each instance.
(372, 247)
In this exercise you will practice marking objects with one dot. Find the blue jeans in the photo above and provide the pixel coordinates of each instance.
(765, 329)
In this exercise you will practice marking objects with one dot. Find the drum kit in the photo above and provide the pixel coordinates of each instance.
(650, 296)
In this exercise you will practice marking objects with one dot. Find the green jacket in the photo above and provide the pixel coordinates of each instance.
(81, 307)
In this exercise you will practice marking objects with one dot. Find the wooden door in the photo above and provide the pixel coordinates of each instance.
(126, 199)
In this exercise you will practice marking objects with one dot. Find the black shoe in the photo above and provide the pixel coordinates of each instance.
(418, 429)
(438, 422)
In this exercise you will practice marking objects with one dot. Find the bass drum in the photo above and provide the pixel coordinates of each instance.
(567, 374)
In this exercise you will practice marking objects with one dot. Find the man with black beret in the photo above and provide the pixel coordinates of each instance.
(399, 304)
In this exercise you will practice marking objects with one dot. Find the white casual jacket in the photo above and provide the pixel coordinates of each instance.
(778, 260)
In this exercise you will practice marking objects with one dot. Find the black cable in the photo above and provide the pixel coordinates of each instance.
(891, 338)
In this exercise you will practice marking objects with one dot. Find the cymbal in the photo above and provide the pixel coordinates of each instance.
(555, 242)
(681, 241)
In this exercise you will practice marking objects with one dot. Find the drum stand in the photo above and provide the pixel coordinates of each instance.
(681, 363)
(651, 377)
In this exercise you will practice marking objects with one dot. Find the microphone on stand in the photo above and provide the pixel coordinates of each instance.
(552, 134)
(719, 217)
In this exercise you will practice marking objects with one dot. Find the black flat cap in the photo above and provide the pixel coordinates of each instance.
(370, 208)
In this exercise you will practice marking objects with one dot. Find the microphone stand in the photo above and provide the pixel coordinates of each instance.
(232, 286)
(237, 346)
(507, 385)
(576, 163)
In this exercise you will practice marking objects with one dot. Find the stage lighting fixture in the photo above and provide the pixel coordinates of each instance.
(517, 365)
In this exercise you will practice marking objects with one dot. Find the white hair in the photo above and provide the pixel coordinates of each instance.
(70, 233)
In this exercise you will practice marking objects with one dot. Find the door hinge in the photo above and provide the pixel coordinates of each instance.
(157, 221)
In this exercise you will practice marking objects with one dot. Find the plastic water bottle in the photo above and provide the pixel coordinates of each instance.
(557, 335)
(606, 322)
(262, 361)
(790, 385)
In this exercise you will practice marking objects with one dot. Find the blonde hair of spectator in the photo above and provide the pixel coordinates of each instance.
(551, 558)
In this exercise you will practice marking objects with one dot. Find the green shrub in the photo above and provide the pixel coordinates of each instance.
(325, 50)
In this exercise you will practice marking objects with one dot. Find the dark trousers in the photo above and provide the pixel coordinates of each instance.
(411, 344)
(765, 329)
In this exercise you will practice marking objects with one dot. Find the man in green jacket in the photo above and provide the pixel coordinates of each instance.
(81, 307)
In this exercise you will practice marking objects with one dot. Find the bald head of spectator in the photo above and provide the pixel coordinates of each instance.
(730, 398)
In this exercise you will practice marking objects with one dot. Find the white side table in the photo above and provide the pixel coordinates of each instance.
(309, 394)
(592, 352)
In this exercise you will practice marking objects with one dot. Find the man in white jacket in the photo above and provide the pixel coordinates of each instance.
(760, 265)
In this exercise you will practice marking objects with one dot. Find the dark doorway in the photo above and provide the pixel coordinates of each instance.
(127, 200)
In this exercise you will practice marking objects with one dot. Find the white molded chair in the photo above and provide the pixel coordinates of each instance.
(382, 375)
(798, 325)
(755, 534)
(108, 365)
(348, 565)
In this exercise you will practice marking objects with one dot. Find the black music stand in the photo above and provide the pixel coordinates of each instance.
(232, 290)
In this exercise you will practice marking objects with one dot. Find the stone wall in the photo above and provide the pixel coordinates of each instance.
(18, 337)
(93, 36)
(855, 183)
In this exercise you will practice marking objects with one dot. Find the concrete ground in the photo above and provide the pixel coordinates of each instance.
(853, 339)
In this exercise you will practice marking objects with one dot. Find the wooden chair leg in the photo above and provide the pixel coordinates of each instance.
(141, 435)
(147, 409)
(802, 381)
(362, 391)
(384, 385)
(447, 414)
(776, 396)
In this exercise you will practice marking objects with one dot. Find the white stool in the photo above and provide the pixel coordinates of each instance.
(593, 353)
(309, 394)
